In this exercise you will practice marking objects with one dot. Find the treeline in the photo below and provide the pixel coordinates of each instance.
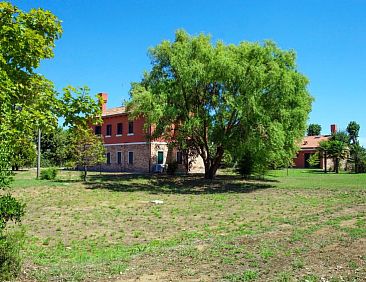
(343, 147)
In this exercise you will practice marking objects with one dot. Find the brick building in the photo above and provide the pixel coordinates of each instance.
(128, 148)
(309, 146)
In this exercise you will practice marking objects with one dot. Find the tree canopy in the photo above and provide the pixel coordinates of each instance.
(219, 97)
(314, 129)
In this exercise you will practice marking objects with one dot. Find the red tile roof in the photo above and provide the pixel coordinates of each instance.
(313, 141)
(114, 111)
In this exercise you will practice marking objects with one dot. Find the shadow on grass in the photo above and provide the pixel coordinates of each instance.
(188, 184)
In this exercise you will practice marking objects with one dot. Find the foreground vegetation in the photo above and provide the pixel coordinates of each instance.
(305, 226)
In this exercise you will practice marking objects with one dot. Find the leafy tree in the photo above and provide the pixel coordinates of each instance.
(358, 157)
(27, 101)
(220, 96)
(313, 160)
(352, 129)
(23, 153)
(55, 147)
(341, 136)
(338, 151)
(314, 129)
(88, 149)
(80, 110)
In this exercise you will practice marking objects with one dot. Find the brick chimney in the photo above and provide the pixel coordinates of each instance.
(104, 101)
(333, 128)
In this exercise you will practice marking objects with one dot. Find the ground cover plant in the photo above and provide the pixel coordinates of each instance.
(306, 226)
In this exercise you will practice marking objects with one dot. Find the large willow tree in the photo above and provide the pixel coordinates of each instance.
(224, 98)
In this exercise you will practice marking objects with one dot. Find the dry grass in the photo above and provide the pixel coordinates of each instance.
(302, 227)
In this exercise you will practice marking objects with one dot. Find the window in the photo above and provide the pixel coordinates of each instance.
(119, 157)
(160, 157)
(109, 130)
(179, 157)
(108, 155)
(130, 158)
(119, 128)
(98, 130)
(130, 127)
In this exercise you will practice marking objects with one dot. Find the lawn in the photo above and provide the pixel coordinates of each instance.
(306, 226)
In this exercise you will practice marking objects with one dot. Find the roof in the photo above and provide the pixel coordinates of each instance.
(114, 111)
(313, 141)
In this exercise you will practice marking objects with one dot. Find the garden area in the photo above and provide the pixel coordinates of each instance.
(304, 226)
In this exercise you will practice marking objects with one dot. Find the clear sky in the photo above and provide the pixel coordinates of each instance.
(105, 43)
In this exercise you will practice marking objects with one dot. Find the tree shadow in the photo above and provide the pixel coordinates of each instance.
(185, 184)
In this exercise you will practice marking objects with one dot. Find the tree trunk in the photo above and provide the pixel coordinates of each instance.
(325, 162)
(85, 172)
(337, 165)
(211, 166)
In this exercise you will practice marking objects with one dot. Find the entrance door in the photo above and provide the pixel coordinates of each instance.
(160, 157)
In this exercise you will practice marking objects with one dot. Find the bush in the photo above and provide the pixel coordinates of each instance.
(10, 259)
(245, 166)
(10, 243)
(49, 173)
(172, 168)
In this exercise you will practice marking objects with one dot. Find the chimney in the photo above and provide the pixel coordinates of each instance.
(333, 128)
(104, 97)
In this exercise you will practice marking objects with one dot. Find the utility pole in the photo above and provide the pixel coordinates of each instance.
(39, 153)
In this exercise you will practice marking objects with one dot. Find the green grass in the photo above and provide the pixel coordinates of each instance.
(299, 227)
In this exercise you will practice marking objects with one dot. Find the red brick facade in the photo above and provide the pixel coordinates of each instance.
(127, 146)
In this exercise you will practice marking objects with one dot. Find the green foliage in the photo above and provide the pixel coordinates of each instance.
(87, 148)
(245, 166)
(5, 173)
(24, 153)
(78, 108)
(27, 102)
(353, 129)
(55, 148)
(314, 129)
(358, 158)
(10, 210)
(222, 96)
(314, 160)
(10, 258)
(172, 168)
(49, 173)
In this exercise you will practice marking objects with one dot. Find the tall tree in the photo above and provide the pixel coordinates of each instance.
(80, 110)
(352, 129)
(220, 96)
(338, 151)
(27, 99)
(88, 149)
(314, 129)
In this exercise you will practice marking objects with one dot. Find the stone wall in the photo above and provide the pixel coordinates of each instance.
(145, 157)
(141, 153)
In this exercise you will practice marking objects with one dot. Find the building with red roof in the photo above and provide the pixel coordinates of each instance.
(127, 146)
(310, 146)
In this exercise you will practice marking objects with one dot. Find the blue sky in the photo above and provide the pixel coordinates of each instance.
(105, 43)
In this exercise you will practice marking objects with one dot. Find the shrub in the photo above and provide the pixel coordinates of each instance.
(49, 173)
(172, 168)
(245, 166)
(10, 243)
(10, 259)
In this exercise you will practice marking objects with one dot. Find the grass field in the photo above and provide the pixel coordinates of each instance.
(306, 226)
